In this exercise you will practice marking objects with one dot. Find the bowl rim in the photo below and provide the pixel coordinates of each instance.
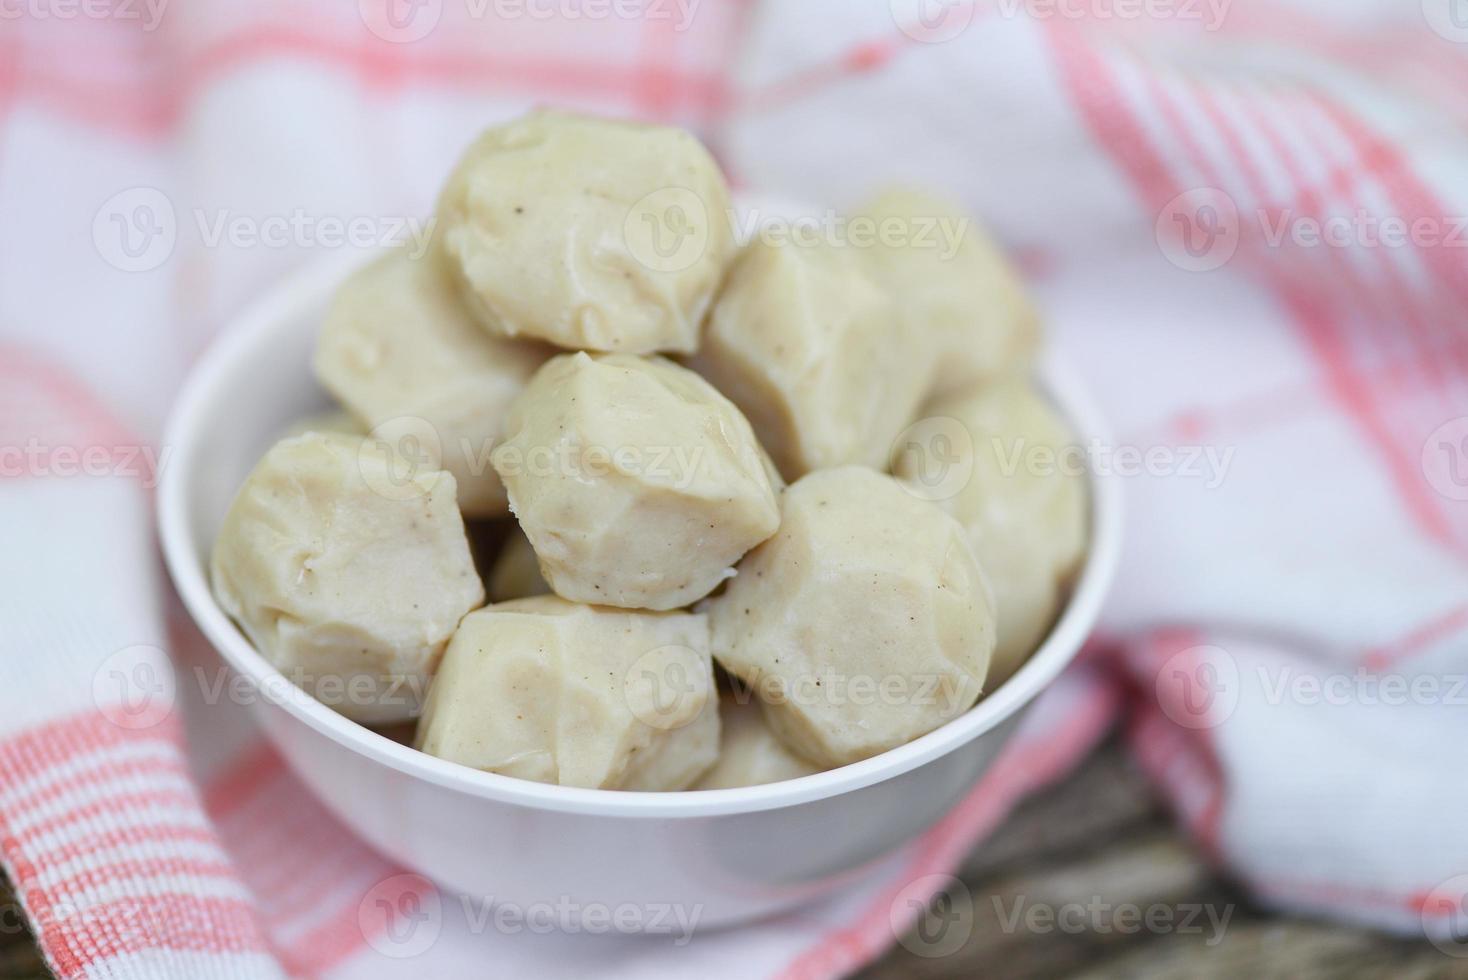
(278, 312)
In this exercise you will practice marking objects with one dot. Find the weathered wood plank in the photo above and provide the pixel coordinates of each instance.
(19, 957)
(1284, 950)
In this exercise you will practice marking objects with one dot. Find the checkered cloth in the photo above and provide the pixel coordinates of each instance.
(1244, 219)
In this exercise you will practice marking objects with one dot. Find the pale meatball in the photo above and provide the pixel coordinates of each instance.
(516, 571)
(348, 570)
(400, 350)
(1023, 506)
(749, 753)
(807, 345)
(558, 692)
(588, 233)
(862, 624)
(961, 301)
(636, 482)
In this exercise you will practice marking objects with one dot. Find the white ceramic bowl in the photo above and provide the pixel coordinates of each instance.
(737, 853)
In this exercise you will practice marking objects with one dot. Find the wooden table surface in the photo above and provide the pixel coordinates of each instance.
(1081, 852)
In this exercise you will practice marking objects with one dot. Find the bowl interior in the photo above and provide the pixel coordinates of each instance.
(256, 380)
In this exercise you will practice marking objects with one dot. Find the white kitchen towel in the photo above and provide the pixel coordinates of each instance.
(1244, 220)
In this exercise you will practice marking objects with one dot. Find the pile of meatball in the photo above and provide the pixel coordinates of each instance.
(720, 553)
